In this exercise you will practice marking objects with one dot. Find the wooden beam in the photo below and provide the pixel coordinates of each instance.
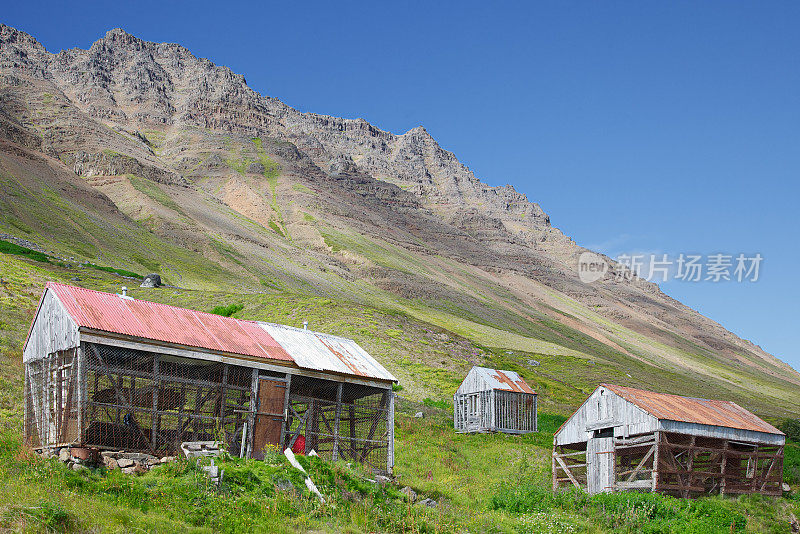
(390, 429)
(566, 470)
(285, 410)
(337, 417)
(153, 424)
(656, 466)
(765, 478)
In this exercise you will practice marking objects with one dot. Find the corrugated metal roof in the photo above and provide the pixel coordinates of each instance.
(323, 352)
(693, 410)
(124, 315)
(504, 380)
(112, 313)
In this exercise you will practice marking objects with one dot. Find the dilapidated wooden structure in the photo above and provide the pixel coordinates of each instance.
(623, 438)
(108, 371)
(489, 400)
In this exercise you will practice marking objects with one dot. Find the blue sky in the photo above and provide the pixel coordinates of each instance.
(640, 126)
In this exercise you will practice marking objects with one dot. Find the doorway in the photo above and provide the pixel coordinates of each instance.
(269, 416)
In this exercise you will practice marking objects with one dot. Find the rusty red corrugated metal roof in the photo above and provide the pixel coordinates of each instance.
(510, 380)
(108, 312)
(693, 410)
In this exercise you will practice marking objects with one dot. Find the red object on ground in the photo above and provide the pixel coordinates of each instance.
(299, 446)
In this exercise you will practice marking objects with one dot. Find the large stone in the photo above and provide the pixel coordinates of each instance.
(125, 463)
(410, 494)
(63, 455)
(110, 462)
(151, 280)
(430, 503)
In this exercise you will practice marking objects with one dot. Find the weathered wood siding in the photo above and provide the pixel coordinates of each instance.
(605, 409)
(52, 330)
(472, 383)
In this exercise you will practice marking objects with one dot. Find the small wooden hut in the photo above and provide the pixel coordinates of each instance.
(108, 371)
(630, 439)
(489, 400)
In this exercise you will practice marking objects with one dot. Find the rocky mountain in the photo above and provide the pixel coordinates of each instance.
(142, 156)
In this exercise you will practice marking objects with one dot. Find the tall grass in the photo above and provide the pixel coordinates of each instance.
(625, 512)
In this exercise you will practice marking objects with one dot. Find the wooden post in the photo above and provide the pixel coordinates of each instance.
(82, 385)
(155, 416)
(251, 419)
(60, 420)
(351, 409)
(222, 400)
(335, 452)
(285, 410)
(656, 454)
(390, 428)
(690, 465)
(722, 483)
(555, 474)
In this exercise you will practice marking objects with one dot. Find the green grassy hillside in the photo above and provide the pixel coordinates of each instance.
(483, 483)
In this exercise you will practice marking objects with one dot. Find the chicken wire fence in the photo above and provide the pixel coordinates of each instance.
(52, 399)
(135, 400)
(339, 421)
(119, 398)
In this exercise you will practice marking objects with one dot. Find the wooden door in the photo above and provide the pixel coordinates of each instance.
(600, 471)
(269, 416)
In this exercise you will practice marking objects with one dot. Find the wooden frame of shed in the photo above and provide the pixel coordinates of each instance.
(626, 439)
(94, 378)
(489, 400)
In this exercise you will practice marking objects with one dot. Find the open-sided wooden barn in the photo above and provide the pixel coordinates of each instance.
(489, 400)
(111, 372)
(631, 439)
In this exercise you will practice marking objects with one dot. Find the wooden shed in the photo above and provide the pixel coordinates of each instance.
(489, 400)
(631, 439)
(108, 371)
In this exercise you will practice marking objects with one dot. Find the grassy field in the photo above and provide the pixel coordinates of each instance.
(483, 483)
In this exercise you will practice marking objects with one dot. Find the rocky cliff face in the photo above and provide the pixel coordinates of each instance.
(339, 200)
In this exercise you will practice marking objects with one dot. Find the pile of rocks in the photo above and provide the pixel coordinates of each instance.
(131, 463)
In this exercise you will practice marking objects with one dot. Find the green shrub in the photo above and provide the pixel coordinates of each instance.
(791, 427)
(791, 463)
(12, 248)
(121, 272)
(227, 311)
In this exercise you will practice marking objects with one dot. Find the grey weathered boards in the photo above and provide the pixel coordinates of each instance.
(630, 439)
(491, 400)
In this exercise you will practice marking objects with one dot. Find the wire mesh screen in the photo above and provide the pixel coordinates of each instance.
(339, 421)
(51, 399)
(150, 402)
